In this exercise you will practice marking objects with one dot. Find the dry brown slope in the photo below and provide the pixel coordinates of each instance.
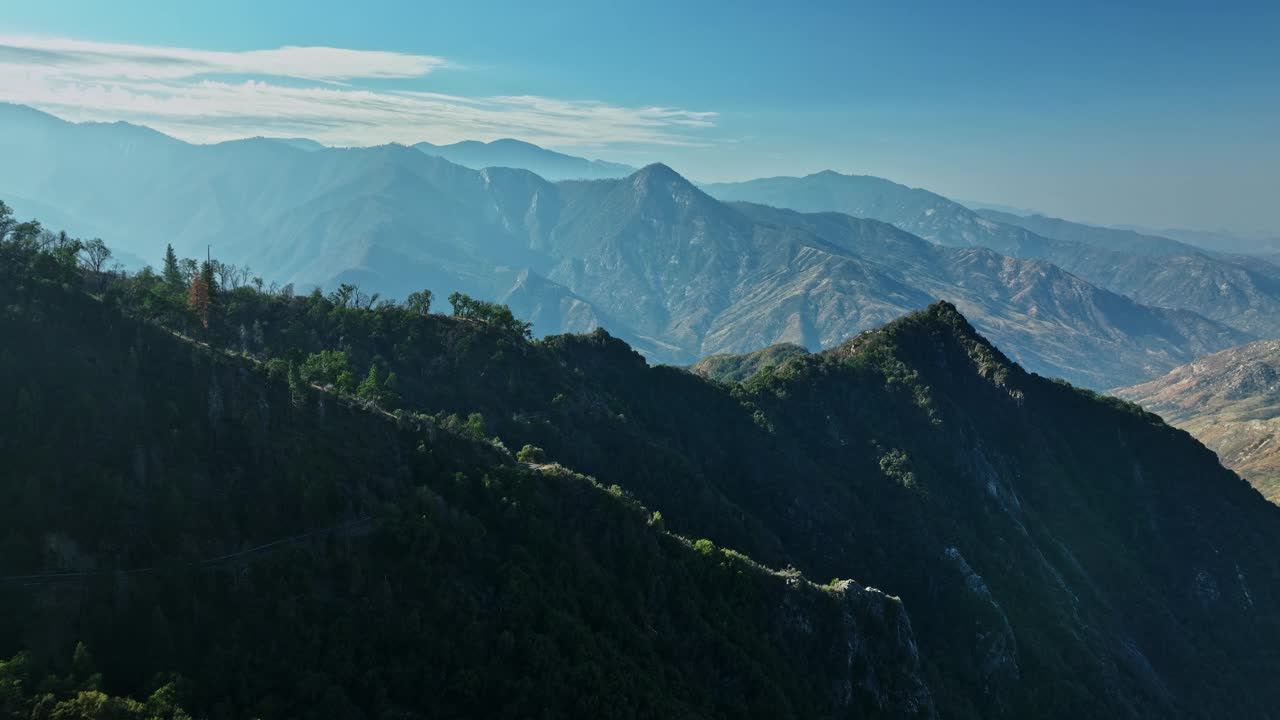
(1230, 401)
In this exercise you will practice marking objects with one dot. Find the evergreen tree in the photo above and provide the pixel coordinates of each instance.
(208, 272)
(371, 387)
(172, 273)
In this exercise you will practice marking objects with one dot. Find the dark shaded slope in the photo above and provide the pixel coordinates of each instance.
(478, 588)
(1061, 555)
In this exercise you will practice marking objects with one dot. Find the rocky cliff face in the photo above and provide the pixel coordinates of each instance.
(878, 634)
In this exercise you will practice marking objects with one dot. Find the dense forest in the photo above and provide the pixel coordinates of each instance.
(225, 497)
(188, 526)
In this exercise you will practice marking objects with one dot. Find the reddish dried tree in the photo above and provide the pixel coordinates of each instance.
(198, 298)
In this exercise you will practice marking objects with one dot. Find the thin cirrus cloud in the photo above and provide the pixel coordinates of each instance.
(209, 96)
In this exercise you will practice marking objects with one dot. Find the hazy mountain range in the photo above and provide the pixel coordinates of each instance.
(653, 258)
(1239, 291)
(549, 164)
(506, 152)
(1255, 243)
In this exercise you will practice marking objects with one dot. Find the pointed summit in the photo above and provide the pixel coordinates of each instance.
(941, 317)
(660, 173)
(937, 337)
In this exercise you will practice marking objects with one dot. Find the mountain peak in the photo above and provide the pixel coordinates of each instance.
(941, 316)
(937, 336)
(513, 143)
(659, 172)
(660, 179)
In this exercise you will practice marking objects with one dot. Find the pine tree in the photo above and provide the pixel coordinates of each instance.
(371, 387)
(172, 273)
(209, 271)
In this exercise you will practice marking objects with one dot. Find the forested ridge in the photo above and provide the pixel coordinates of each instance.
(479, 587)
(1059, 554)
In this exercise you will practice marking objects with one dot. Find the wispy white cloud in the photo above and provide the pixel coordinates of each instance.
(204, 96)
(115, 61)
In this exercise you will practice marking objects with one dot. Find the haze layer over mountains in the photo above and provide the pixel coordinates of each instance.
(681, 272)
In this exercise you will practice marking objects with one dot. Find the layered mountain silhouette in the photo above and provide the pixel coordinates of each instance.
(511, 153)
(1238, 291)
(660, 263)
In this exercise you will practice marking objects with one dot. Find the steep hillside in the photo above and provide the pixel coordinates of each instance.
(1230, 401)
(224, 538)
(1047, 319)
(510, 153)
(1059, 554)
(1156, 271)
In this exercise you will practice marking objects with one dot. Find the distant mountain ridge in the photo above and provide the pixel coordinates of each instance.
(1223, 241)
(511, 153)
(1241, 292)
(662, 264)
(1110, 238)
(300, 143)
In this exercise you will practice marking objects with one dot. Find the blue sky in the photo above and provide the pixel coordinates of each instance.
(1164, 115)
